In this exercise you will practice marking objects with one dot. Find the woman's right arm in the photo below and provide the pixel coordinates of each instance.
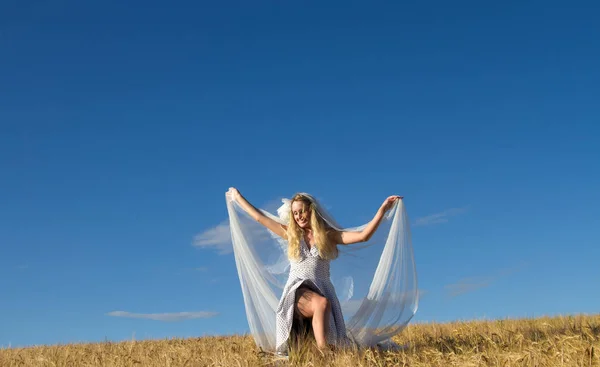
(274, 226)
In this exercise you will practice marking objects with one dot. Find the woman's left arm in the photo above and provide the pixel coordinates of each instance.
(346, 238)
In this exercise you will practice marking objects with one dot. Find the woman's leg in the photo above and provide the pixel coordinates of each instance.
(312, 305)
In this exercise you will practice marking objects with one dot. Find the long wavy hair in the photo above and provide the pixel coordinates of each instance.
(327, 249)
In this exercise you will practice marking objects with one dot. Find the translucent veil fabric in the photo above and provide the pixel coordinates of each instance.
(376, 281)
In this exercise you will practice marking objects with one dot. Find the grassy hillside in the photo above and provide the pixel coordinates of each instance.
(547, 342)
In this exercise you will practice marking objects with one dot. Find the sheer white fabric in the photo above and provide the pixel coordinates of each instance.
(376, 282)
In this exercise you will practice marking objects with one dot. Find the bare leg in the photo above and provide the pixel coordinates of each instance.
(313, 305)
(320, 321)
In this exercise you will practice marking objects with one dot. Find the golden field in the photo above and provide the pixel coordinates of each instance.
(548, 341)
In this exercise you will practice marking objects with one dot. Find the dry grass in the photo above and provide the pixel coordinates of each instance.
(558, 341)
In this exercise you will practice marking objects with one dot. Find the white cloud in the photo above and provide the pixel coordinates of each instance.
(175, 316)
(471, 284)
(441, 217)
(218, 237)
(468, 285)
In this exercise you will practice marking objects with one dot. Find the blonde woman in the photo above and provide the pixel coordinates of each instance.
(309, 298)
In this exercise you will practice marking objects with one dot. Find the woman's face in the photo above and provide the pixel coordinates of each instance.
(301, 213)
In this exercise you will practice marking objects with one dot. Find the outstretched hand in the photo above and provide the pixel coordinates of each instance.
(389, 202)
(233, 193)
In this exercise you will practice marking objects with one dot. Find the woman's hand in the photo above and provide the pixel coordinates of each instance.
(234, 193)
(348, 237)
(389, 202)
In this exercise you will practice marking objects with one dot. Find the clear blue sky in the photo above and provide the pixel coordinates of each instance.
(122, 124)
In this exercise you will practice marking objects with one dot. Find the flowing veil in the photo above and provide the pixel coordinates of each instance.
(376, 281)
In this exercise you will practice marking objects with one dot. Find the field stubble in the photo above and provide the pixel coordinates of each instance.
(544, 342)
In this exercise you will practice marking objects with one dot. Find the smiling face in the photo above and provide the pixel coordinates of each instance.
(301, 213)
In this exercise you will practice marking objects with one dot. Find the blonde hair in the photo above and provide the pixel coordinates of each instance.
(327, 249)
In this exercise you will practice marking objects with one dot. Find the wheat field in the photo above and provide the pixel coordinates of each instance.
(544, 342)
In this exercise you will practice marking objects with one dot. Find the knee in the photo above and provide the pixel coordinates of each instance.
(321, 304)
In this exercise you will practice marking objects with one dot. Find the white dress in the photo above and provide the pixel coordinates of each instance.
(311, 271)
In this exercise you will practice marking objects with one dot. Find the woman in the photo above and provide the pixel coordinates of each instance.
(308, 297)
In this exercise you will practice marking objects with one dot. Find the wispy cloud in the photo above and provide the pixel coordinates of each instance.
(175, 316)
(218, 237)
(467, 285)
(441, 217)
(471, 284)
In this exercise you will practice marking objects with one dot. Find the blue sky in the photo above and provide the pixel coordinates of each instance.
(122, 124)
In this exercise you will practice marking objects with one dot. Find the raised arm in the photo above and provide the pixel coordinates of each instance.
(346, 238)
(277, 228)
